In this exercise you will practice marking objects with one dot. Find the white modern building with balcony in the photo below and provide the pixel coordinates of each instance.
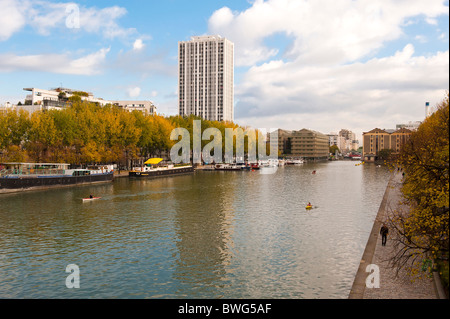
(58, 98)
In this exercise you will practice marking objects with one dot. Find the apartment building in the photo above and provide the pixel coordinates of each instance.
(206, 78)
(345, 140)
(310, 145)
(304, 143)
(144, 106)
(411, 125)
(57, 98)
(379, 139)
(333, 139)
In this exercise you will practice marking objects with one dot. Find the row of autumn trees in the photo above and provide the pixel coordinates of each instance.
(422, 232)
(87, 133)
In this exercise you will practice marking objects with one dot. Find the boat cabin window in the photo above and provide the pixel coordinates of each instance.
(81, 173)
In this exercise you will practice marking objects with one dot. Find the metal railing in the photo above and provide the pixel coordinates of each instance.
(31, 172)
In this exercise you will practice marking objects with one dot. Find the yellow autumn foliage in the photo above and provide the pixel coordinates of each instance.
(87, 133)
(425, 163)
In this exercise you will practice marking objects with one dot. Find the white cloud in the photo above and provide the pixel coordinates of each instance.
(11, 19)
(282, 94)
(104, 21)
(138, 45)
(134, 91)
(54, 63)
(322, 31)
(431, 21)
(320, 80)
(89, 63)
(421, 38)
(45, 17)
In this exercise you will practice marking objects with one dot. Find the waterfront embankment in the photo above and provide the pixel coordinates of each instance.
(121, 173)
(392, 285)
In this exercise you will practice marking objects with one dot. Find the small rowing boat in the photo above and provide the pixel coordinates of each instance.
(90, 199)
(308, 206)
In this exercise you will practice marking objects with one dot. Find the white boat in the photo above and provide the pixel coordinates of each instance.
(263, 163)
(88, 199)
(159, 171)
(227, 167)
(274, 162)
(243, 166)
(294, 161)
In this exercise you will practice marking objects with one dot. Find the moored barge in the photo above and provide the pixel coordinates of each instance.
(17, 177)
(149, 172)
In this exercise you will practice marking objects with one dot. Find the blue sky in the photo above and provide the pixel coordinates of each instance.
(321, 64)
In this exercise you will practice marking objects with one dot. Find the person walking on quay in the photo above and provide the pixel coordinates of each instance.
(384, 232)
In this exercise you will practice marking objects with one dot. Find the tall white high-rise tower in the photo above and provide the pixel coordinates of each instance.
(206, 78)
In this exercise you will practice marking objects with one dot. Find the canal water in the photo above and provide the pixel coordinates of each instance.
(205, 235)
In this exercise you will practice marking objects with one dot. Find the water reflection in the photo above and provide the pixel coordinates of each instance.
(203, 224)
(206, 235)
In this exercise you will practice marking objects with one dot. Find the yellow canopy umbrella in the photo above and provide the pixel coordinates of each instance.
(153, 161)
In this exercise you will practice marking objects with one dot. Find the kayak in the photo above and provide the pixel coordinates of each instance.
(308, 206)
(90, 199)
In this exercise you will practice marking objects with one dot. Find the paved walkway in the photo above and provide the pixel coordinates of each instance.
(391, 286)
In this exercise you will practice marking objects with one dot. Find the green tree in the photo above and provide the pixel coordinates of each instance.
(385, 154)
(333, 149)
